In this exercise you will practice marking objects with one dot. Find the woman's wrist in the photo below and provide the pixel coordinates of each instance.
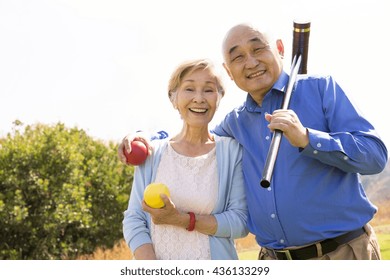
(191, 224)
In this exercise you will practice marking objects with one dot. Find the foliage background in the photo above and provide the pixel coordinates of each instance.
(62, 193)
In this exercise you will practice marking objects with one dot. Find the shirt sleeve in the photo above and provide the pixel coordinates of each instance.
(223, 128)
(351, 142)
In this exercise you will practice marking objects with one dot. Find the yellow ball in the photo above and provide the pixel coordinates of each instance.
(152, 194)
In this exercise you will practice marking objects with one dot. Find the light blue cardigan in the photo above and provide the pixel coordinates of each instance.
(230, 211)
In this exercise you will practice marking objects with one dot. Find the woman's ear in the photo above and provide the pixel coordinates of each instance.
(219, 99)
(173, 99)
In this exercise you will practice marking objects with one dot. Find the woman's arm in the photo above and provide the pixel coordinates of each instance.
(136, 221)
(145, 252)
(206, 224)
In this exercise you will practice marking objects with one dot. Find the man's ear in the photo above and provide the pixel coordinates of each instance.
(280, 47)
(227, 70)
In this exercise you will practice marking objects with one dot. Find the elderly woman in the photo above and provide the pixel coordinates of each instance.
(207, 208)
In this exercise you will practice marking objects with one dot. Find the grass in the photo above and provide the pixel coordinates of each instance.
(384, 243)
(383, 238)
(247, 247)
(248, 255)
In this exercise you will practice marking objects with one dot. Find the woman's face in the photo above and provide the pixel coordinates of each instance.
(197, 98)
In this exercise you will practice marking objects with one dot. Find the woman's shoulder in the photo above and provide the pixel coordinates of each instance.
(159, 143)
(226, 141)
(158, 146)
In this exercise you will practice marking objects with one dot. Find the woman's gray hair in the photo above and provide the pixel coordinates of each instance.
(189, 67)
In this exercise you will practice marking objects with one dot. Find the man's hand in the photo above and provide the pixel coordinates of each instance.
(288, 122)
(126, 143)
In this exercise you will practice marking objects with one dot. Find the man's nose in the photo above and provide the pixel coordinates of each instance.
(251, 61)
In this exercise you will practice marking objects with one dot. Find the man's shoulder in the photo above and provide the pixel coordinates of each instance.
(313, 77)
(237, 110)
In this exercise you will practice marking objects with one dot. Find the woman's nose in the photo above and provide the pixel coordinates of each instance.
(198, 97)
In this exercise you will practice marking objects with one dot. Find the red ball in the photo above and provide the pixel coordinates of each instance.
(138, 153)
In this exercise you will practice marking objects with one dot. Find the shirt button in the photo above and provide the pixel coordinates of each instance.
(315, 152)
(319, 145)
(273, 216)
(267, 137)
(345, 158)
(269, 189)
(282, 241)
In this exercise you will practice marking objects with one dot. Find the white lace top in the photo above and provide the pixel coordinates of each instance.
(193, 185)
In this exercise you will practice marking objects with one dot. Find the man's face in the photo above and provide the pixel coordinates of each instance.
(251, 61)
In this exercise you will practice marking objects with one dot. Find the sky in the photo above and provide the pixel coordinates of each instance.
(103, 65)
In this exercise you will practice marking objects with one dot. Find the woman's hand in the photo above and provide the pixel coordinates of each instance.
(167, 215)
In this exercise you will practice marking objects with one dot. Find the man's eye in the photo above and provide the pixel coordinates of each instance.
(237, 58)
(189, 89)
(260, 49)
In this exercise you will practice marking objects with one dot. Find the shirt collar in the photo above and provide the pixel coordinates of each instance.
(279, 86)
(281, 83)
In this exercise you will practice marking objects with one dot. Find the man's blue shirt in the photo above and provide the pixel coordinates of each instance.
(315, 192)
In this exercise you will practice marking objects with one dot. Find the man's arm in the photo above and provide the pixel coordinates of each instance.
(138, 136)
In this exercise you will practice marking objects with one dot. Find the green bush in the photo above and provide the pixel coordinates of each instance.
(62, 193)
